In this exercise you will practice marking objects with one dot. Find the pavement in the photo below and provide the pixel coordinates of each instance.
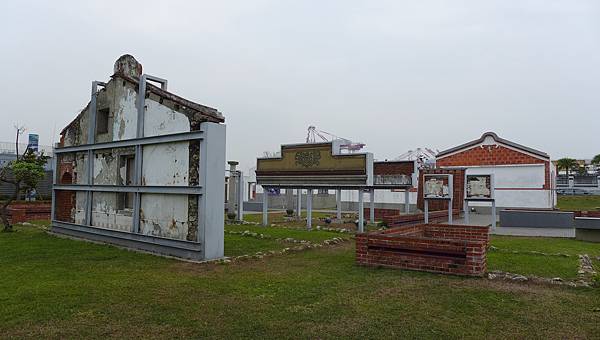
(486, 219)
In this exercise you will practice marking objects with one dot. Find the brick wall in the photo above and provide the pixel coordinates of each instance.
(23, 212)
(394, 168)
(593, 213)
(380, 213)
(439, 248)
(416, 218)
(493, 155)
(458, 183)
(65, 199)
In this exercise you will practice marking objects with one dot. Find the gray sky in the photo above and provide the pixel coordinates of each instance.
(395, 75)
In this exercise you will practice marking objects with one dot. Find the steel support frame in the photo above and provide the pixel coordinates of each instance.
(138, 188)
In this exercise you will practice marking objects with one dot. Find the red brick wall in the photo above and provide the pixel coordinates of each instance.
(440, 248)
(65, 199)
(381, 213)
(416, 218)
(493, 155)
(23, 212)
(394, 168)
(458, 183)
(592, 213)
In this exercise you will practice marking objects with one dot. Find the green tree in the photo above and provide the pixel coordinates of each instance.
(596, 160)
(567, 164)
(22, 174)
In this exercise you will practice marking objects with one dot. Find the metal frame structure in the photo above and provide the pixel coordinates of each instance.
(449, 198)
(211, 136)
(491, 200)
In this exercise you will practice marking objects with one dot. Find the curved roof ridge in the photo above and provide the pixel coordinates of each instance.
(497, 139)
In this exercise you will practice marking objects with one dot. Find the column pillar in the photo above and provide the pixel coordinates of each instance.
(299, 203)
(407, 201)
(240, 206)
(309, 197)
(467, 212)
(450, 211)
(232, 188)
(338, 198)
(265, 206)
(494, 215)
(361, 211)
(426, 212)
(372, 207)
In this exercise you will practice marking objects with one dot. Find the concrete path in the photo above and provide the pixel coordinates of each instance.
(485, 219)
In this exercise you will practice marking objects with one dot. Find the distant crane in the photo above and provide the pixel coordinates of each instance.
(316, 136)
(425, 157)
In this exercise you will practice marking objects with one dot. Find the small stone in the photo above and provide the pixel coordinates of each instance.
(557, 279)
(519, 278)
(491, 276)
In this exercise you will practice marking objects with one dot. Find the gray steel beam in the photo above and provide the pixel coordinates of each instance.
(89, 169)
(54, 182)
(176, 137)
(159, 245)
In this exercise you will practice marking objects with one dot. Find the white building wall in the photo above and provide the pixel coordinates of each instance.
(517, 186)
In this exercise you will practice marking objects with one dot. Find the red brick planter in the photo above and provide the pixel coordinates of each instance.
(440, 248)
(23, 212)
(414, 218)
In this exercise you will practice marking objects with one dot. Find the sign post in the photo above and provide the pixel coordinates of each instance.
(437, 187)
(480, 188)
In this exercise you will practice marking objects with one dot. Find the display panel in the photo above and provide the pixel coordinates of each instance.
(437, 186)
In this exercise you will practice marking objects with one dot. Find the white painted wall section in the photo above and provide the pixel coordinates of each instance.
(166, 164)
(125, 116)
(161, 120)
(164, 215)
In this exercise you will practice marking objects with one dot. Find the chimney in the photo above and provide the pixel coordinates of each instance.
(128, 66)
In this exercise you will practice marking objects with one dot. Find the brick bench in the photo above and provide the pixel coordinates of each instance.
(440, 248)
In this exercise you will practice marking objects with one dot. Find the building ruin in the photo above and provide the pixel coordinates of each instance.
(142, 171)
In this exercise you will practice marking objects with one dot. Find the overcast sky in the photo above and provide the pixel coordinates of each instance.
(395, 75)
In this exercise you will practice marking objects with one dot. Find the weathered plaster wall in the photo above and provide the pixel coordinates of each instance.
(124, 112)
(164, 215)
(162, 120)
(166, 164)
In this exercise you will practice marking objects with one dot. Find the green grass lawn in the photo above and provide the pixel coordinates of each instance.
(550, 245)
(236, 245)
(576, 203)
(298, 234)
(525, 264)
(61, 288)
(539, 265)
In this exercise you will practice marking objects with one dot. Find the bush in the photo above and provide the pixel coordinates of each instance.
(289, 212)
(231, 216)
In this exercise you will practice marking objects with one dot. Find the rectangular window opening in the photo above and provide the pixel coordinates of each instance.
(127, 163)
(102, 120)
